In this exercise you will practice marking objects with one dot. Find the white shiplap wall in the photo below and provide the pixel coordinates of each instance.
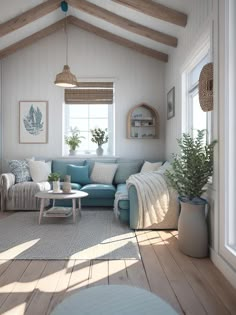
(199, 21)
(29, 75)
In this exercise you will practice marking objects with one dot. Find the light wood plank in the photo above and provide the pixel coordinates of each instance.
(10, 277)
(136, 274)
(156, 10)
(32, 39)
(117, 272)
(80, 276)
(157, 279)
(124, 23)
(202, 290)
(45, 287)
(19, 298)
(117, 39)
(62, 286)
(183, 291)
(29, 16)
(222, 288)
(4, 264)
(98, 273)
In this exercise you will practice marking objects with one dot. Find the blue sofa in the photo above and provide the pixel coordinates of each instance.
(99, 195)
(102, 195)
(21, 196)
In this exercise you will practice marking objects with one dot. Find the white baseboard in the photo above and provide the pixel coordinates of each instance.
(224, 267)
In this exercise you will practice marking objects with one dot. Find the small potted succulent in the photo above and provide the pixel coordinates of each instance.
(100, 137)
(55, 179)
(74, 140)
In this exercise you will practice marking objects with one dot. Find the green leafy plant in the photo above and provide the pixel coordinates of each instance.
(74, 139)
(192, 168)
(53, 177)
(99, 136)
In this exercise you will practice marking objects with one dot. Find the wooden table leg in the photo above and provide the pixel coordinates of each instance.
(74, 209)
(41, 209)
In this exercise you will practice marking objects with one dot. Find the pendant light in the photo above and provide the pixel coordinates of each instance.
(65, 78)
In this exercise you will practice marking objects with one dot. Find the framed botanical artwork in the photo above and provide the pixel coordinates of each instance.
(171, 103)
(33, 121)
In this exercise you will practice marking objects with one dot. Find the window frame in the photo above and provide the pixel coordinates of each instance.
(66, 126)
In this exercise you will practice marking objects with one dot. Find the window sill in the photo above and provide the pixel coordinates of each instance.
(87, 156)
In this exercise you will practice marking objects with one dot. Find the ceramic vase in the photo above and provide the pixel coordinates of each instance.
(99, 150)
(67, 185)
(73, 152)
(56, 186)
(192, 227)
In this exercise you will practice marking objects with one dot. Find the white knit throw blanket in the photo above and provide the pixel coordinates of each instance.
(154, 197)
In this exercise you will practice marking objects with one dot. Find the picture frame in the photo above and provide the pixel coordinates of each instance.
(33, 122)
(171, 103)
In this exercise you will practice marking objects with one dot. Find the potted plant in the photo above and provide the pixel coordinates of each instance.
(74, 140)
(55, 179)
(189, 175)
(100, 137)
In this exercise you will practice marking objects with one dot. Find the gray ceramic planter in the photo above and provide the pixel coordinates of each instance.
(192, 227)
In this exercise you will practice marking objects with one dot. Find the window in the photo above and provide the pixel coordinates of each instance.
(87, 107)
(196, 117)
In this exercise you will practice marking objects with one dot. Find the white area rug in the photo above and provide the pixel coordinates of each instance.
(95, 235)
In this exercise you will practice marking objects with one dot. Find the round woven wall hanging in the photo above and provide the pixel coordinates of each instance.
(206, 87)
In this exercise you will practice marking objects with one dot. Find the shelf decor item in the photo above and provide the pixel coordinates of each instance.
(171, 103)
(100, 137)
(55, 179)
(33, 121)
(74, 140)
(189, 175)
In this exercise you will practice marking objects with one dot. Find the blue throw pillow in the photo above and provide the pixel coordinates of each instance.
(79, 174)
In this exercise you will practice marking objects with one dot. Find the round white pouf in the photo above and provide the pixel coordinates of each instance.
(113, 300)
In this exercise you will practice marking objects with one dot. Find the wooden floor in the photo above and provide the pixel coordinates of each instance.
(191, 286)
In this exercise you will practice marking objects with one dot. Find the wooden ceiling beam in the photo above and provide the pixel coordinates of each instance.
(156, 10)
(117, 39)
(29, 16)
(32, 39)
(124, 23)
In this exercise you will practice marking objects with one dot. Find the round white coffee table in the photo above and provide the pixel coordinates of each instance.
(113, 300)
(74, 195)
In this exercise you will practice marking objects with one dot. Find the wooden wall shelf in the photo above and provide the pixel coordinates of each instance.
(143, 122)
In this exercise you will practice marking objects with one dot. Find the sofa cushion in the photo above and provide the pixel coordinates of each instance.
(125, 169)
(20, 169)
(79, 174)
(60, 166)
(103, 173)
(150, 167)
(123, 203)
(39, 170)
(99, 191)
(91, 162)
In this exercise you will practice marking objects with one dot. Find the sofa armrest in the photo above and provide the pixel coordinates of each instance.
(6, 181)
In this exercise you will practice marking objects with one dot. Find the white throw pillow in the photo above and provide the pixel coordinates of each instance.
(39, 170)
(150, 167)
(103, 173)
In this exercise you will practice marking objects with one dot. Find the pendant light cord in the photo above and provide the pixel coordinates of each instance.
(66, 38)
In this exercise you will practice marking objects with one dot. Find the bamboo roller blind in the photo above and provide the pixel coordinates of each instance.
(90, 93)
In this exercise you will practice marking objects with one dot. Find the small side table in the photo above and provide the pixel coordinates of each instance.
(74, 195)
(113, 300)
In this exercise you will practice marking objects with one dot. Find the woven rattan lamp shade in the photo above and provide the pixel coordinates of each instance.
(206, 87)
(66, 78)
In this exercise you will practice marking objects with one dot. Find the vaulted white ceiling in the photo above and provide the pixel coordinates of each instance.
(11, 9)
